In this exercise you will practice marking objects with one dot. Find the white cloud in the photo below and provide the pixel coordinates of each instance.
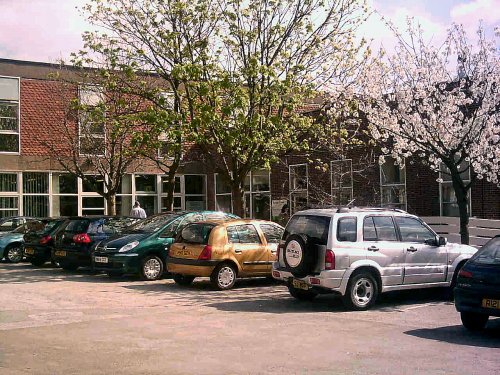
(470, 13)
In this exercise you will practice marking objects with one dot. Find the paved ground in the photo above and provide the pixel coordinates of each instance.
(53, 322)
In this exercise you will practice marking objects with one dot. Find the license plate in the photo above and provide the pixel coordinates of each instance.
(491, 303)
(101, 259)
(60, 253)
(299, 284)
(29, 251)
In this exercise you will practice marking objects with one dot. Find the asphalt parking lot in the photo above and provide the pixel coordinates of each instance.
(55, 322)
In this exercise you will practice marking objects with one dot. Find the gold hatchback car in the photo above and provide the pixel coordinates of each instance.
(224, 251)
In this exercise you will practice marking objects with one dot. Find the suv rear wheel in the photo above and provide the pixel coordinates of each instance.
(303, 295)
(361, 292)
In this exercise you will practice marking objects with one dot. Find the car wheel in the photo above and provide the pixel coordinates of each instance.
(151, 268)
(14, 253)
(361, 292)
(473, 321)
(224, 276)
(183, 279)
(303, 295)
(114, 274)
(68, 266)
(299, 255)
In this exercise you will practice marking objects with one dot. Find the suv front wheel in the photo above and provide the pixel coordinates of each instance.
(362, 292)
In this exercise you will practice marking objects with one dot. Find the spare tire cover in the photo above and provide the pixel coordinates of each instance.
(299, 256)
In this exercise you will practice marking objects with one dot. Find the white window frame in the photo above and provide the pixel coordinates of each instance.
(25, 194)
(341, 188)
(297, 192)
(12, 194)
(401, 184)
(442, 183)
(11, 132)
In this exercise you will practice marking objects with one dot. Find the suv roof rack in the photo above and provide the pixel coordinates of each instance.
(360, 209)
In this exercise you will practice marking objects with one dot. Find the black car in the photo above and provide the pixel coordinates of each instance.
(75, 240)
(477, 292)
(38, 243)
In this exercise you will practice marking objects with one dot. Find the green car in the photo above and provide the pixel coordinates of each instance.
(143, 247)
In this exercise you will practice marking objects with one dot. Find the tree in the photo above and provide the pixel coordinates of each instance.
(264, 64)
(419, 103)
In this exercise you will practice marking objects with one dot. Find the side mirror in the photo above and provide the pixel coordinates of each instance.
(442, 241)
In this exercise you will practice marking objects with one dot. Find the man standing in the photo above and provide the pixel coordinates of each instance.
(137, 211)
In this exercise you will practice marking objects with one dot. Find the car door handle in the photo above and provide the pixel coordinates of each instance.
(412, 249)
(373, 248)
(237, 251)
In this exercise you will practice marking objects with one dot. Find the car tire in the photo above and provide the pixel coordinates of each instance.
(299, 255)
(184, 280)
(152, 268)
(302, 295)
(223, 276)
(474, 321)
(14, 253)
(68, 266)
(361, 292)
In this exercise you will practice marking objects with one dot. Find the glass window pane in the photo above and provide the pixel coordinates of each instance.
(412, 230)
(9, 88)
(65, 205)
(195, 203)
(391, 173)
(92, 202)
(261, 204)
(125, 185)
(145, 183)
(260, 181)
(35, 183)
(8, 182)
(64, 183)
(394, 196)
(223, 203)
(463, 166)
(341, 173)
(248, 234)
(342, 196)
(164, 184)
(314, 227)
(9, 143)
(299, 202)
(148, 203)
(36, 205)
(194, 184)
(298, 177)
(8, 116)
(272, 233)
(385, 228)
(221, 184)
(246, 183)
(8, 206)
(88, 187)
(346, 229)
(123, 205)
(369, 232)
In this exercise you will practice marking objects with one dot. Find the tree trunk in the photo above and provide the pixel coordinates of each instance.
(238, 204)
(111, 204)
(462, 201)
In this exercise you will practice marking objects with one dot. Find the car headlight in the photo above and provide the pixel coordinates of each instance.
(128, 246)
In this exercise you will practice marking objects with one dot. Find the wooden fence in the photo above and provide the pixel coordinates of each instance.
(480, 230)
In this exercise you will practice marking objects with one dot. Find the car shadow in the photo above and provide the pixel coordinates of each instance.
(488, 338)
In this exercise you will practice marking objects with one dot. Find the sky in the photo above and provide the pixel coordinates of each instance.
(49, 30)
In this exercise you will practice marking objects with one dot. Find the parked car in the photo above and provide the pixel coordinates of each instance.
(360, 252)
(477, 293)
(73, 243)
(224, 251)
(11, 243)
(8, 224)
(38, 244)
(143, 247)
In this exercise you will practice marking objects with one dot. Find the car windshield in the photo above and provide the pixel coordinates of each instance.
(152, 224)
(489, 253)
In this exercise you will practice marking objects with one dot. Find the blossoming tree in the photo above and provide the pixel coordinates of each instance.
(442, 105)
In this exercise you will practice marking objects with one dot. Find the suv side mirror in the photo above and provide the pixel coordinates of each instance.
(442, 241)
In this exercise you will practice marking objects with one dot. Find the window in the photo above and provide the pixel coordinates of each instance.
(316, 228)
(9, 115)
(392, 184)
(347, 229)
(223, 196)
(36, 194)
(449, 206)
(189, 193)
(299, 184)
(489, 253)
(258, 195)
(413, 230)
(93, 205)
(243, 234)
(124, 196)
(272, 233)
(65, 194)
(9, 199)
(379, 228)
(91, 121)
(341, 177)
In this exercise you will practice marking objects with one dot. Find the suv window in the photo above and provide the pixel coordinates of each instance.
(243, 234)
(379, 228)
(413, 230)
(272, 233)
(346, 229)
(314, 227)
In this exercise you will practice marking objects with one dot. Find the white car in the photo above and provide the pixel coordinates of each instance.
(359, 253)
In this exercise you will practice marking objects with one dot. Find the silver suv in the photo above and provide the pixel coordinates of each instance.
(361, 252)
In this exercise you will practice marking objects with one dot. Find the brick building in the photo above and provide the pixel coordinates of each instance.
(33, 183)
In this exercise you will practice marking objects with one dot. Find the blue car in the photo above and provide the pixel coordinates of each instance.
(11, 243)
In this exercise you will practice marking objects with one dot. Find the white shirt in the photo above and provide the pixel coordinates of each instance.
(138, 212)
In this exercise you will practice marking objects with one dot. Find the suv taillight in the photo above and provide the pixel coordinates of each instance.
(82, 238)
(329, 260)
(44, 240)
(206, 254)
